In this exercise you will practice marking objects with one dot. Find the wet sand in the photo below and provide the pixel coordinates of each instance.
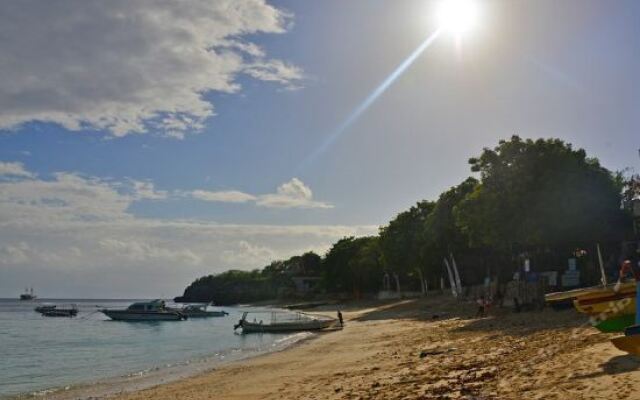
(403, 351)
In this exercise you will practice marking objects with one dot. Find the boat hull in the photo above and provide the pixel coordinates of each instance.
(629, 344)
(199, 313)
(609, 303)
(60, 313)
(572, 294)
(206, 314)
(125, 315)
(616, 324)
(250, 327)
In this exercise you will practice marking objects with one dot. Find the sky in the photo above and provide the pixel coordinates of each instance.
(144, 144)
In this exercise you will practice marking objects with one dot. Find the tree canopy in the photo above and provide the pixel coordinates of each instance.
(540, 192)
(526, 193)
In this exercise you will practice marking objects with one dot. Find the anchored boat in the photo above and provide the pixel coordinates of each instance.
(282, 321)
(199, 311)
(52, 310)
(145, 311)
(28, 295)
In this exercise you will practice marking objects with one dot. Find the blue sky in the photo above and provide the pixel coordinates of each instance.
(221, 177)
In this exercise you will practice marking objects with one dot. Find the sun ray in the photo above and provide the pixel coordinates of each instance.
(362, 108)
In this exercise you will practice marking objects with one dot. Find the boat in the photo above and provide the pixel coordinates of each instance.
(573, 294)
(630, 342)
(198, 311)
(282, 321)
(45, 307)
(607, 300)
(616, 324)
(28, 294)
(71, 311)
(52, 310)
(570, 294)
(154, 310)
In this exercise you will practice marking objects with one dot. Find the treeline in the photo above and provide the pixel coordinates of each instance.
(538, 199)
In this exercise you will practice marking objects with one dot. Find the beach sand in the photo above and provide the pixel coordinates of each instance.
(401, 350)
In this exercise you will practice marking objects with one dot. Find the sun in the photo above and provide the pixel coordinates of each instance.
(457, 16)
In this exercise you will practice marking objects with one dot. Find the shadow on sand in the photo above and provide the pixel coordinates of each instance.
(440, 308)
(615, 365)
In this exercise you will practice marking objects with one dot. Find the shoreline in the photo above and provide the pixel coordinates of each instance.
(160, 374)
(429, 348)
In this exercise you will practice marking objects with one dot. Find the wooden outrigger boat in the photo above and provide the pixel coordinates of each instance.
(630, 342)
(284, 322)
(616, 323)
(607, 300)
(572, 294)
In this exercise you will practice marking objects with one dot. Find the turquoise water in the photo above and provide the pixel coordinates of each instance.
(38, 353)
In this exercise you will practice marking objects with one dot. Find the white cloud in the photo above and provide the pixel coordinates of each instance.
(146, 190)
(276, 71)
(72, 234)
(292, 194)
(140, 251)
(230, 196)
(131, 66)
(14, 169)
(245, 253)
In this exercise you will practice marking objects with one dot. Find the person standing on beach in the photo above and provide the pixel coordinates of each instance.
(340, 319)
(482, 307)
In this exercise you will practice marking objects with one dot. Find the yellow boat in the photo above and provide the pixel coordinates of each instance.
(607, 300)
(586, 291)
(573, 294)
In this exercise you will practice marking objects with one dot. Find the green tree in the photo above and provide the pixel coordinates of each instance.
(353, 265)
(538, 193)
(402, 242)
(442, 236)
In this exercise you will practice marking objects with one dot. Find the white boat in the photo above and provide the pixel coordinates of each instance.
(199, 310)
(283, 322)
(145, 311)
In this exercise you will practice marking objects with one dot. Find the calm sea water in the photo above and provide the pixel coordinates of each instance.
(38, 353)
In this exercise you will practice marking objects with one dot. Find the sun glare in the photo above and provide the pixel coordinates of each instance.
(457, 16)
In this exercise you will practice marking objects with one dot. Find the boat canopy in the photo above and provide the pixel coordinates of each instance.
(147, 306)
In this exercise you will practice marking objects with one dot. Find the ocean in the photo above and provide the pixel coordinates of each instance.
(40, 354)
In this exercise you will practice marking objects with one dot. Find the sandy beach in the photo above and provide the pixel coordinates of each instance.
(428, 349)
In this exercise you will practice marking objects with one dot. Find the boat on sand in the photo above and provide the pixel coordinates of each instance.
(616, 323)
(608, 300)
(282, 321)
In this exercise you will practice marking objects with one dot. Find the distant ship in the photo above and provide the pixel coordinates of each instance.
(28, 294)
